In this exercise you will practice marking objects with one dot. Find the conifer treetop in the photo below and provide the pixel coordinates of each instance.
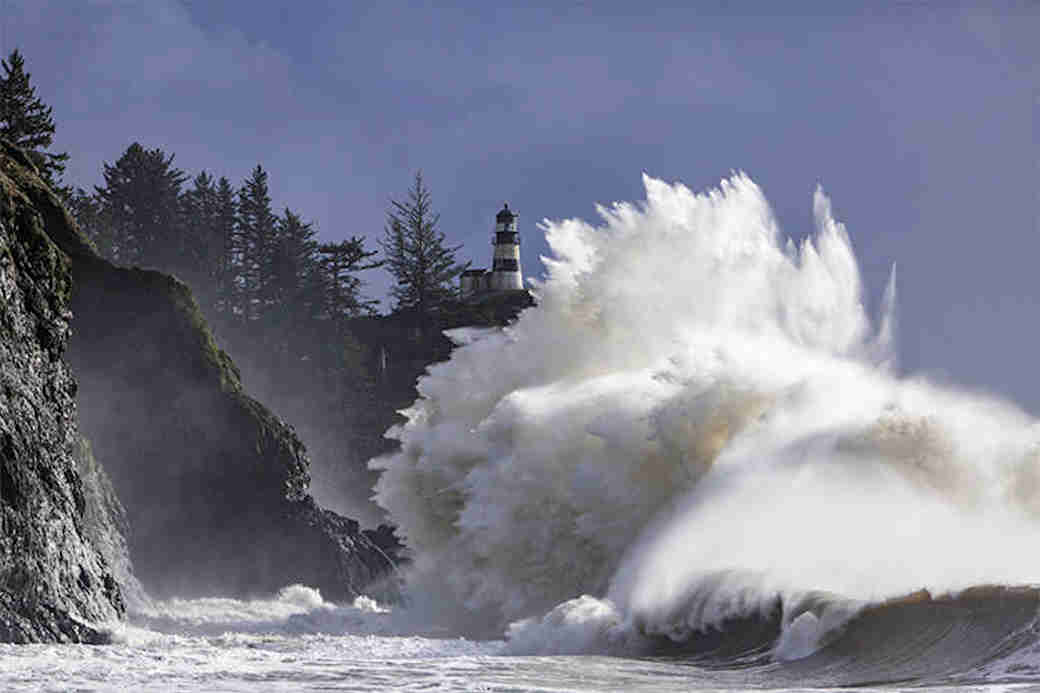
(25, 120)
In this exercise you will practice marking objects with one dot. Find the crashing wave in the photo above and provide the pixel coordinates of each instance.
(698, 423)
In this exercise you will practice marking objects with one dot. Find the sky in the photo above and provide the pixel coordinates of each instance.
(919, 119)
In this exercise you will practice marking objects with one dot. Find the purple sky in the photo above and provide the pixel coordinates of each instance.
(919, 119)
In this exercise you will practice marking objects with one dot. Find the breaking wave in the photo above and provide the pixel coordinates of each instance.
(700, 426)
(295, 610)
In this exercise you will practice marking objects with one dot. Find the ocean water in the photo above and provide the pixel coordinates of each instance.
(296, 641)
(694, 465)
(700, 445)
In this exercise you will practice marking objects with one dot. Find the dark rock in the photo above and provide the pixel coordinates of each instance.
(398, 349)
(214, 485)
(54, 584)
(105, 523)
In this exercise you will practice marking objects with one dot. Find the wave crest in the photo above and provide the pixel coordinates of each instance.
(697, 395)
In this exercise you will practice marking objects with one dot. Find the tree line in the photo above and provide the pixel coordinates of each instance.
(287, 306)
(246, 261)
(257, 274)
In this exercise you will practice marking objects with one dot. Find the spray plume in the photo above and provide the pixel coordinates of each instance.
(698, 416)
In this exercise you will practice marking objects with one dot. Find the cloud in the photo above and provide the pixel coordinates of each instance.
(116, 72)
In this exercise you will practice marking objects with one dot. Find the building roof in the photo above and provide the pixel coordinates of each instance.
(505, 214)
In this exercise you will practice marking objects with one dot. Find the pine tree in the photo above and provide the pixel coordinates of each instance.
(416, 255)
(86, 210)
(141, 203)
(340, 263)
(26, 121)
(257, 227)
(203, 242)
(294, 271)
(226, 221)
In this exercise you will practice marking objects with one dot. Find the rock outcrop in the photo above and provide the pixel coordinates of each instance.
(54, 584)
(105, 523)
(214, 485)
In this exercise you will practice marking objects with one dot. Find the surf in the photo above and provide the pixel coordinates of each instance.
(700, 434)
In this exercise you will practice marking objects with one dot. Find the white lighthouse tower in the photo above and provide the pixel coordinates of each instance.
(505, 263)
(504, 282)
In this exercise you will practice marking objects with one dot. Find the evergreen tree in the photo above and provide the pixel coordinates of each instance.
(416, 255)
(257, 226)
(86, 210)
(294, 276)
(340, 263)
(201, 247)
(26, 121)
(141, 203)
(226, 221)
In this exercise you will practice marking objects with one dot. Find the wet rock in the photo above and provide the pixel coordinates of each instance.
(54, 584)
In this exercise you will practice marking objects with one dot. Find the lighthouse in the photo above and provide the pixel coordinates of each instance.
(505, 275)
(505, 263)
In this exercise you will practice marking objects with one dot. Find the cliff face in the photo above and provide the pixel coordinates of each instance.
(214, 486)
(52, 579)
(399, 350)
(105, 523)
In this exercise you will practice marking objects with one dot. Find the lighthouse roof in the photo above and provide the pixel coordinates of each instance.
(506, 214)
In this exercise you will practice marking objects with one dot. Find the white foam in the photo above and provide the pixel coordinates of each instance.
(585, 624)
(800, 639)
(697, 395)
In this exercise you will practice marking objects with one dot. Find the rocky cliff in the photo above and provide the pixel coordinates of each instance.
(53, 581)
(105, 523)
(214, 485)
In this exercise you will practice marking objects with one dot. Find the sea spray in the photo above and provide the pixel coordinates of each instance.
(697, 420)
(294, 610)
